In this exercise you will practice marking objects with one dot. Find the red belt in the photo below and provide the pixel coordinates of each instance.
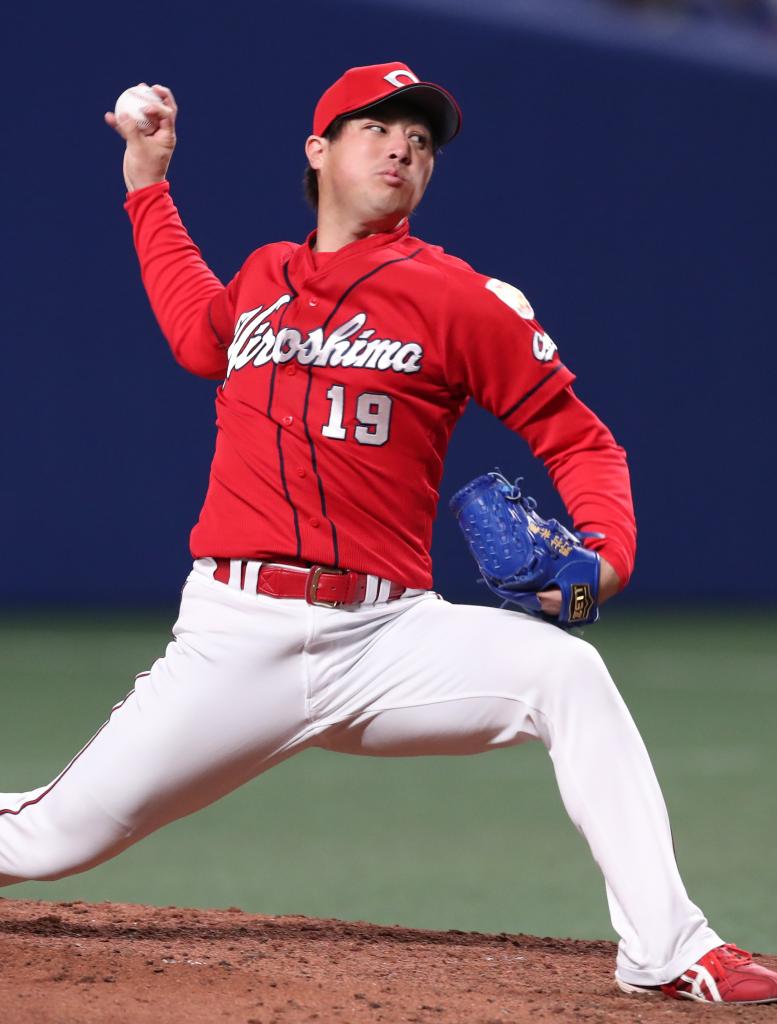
(317, 584)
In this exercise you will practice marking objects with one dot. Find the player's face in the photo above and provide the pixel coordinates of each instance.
(378, 168)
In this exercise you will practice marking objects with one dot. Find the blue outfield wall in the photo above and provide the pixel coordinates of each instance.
(631, 196)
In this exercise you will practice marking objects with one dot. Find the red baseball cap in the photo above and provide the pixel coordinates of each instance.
(360, 89)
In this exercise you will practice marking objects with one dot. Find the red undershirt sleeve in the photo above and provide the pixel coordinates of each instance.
(193, 308)
(588, 469)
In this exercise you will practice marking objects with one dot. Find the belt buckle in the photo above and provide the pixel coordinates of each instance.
(311, 586)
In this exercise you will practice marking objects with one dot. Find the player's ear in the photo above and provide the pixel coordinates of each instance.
(315, 147)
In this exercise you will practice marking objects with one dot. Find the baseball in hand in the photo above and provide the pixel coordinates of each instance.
(132, 101)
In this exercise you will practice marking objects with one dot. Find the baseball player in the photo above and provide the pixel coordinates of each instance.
(308, 620)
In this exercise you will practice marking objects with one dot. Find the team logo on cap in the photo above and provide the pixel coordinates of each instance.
(512, 297)
(394, 78)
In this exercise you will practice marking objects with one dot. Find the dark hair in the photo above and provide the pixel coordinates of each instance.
(398, 107)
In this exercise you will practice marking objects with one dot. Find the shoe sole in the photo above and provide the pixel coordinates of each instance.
(643, 990)
(637, 990)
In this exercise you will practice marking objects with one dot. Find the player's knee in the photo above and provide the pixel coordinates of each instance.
(32, 868)
(47, 865)
(42, 847)
(583, 676)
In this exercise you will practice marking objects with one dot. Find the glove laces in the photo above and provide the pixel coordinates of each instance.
(514, 493)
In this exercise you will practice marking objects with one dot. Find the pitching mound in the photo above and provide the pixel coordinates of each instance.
(77, 963)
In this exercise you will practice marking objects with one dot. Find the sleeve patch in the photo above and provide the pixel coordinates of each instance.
(512, 297)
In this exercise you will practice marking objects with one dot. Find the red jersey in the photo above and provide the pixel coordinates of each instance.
(343, 376)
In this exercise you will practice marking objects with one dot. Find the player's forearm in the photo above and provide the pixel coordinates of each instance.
(595, 488)
(609, 580)
(590, 472)
(179, 284)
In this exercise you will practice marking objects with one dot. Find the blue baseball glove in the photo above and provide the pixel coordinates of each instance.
(519, 553)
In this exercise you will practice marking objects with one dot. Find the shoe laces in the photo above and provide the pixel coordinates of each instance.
(727, 955)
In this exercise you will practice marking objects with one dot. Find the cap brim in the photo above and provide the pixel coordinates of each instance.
(439, 106)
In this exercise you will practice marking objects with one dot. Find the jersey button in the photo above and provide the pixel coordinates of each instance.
(301, 472)
(312, 302)
(290, 371)
(287, 421)
(315, 522)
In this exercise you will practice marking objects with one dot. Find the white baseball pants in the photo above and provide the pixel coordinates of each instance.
(250, 680)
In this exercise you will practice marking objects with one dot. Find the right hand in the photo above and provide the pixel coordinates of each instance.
(147, 157)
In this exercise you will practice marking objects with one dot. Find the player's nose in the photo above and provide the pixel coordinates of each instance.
(399, 146)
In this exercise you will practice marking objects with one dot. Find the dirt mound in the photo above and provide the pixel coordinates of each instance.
(78, 963)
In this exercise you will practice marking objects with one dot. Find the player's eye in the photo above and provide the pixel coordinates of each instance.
(377, 127)
(420, 139)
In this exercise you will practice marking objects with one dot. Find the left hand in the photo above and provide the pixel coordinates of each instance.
(609, 585)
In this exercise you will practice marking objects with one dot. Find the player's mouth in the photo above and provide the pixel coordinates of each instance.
(392, 178)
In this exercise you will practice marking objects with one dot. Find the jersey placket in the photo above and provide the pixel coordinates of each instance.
(290, 407)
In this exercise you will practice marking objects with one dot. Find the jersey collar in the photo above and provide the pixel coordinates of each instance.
(301, 264)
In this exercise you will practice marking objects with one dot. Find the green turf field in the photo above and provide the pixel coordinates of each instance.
(471, 843)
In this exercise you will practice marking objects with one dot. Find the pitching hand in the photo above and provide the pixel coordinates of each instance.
(147, 157)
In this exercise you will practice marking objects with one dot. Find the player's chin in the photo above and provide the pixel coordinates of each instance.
(393, 204)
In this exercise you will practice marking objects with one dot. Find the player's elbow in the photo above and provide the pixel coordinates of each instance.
(209, 363)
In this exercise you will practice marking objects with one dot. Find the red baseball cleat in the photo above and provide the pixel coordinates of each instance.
(724, 975)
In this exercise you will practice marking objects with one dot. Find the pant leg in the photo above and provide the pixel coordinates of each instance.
(227, 701)
(447, 679)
